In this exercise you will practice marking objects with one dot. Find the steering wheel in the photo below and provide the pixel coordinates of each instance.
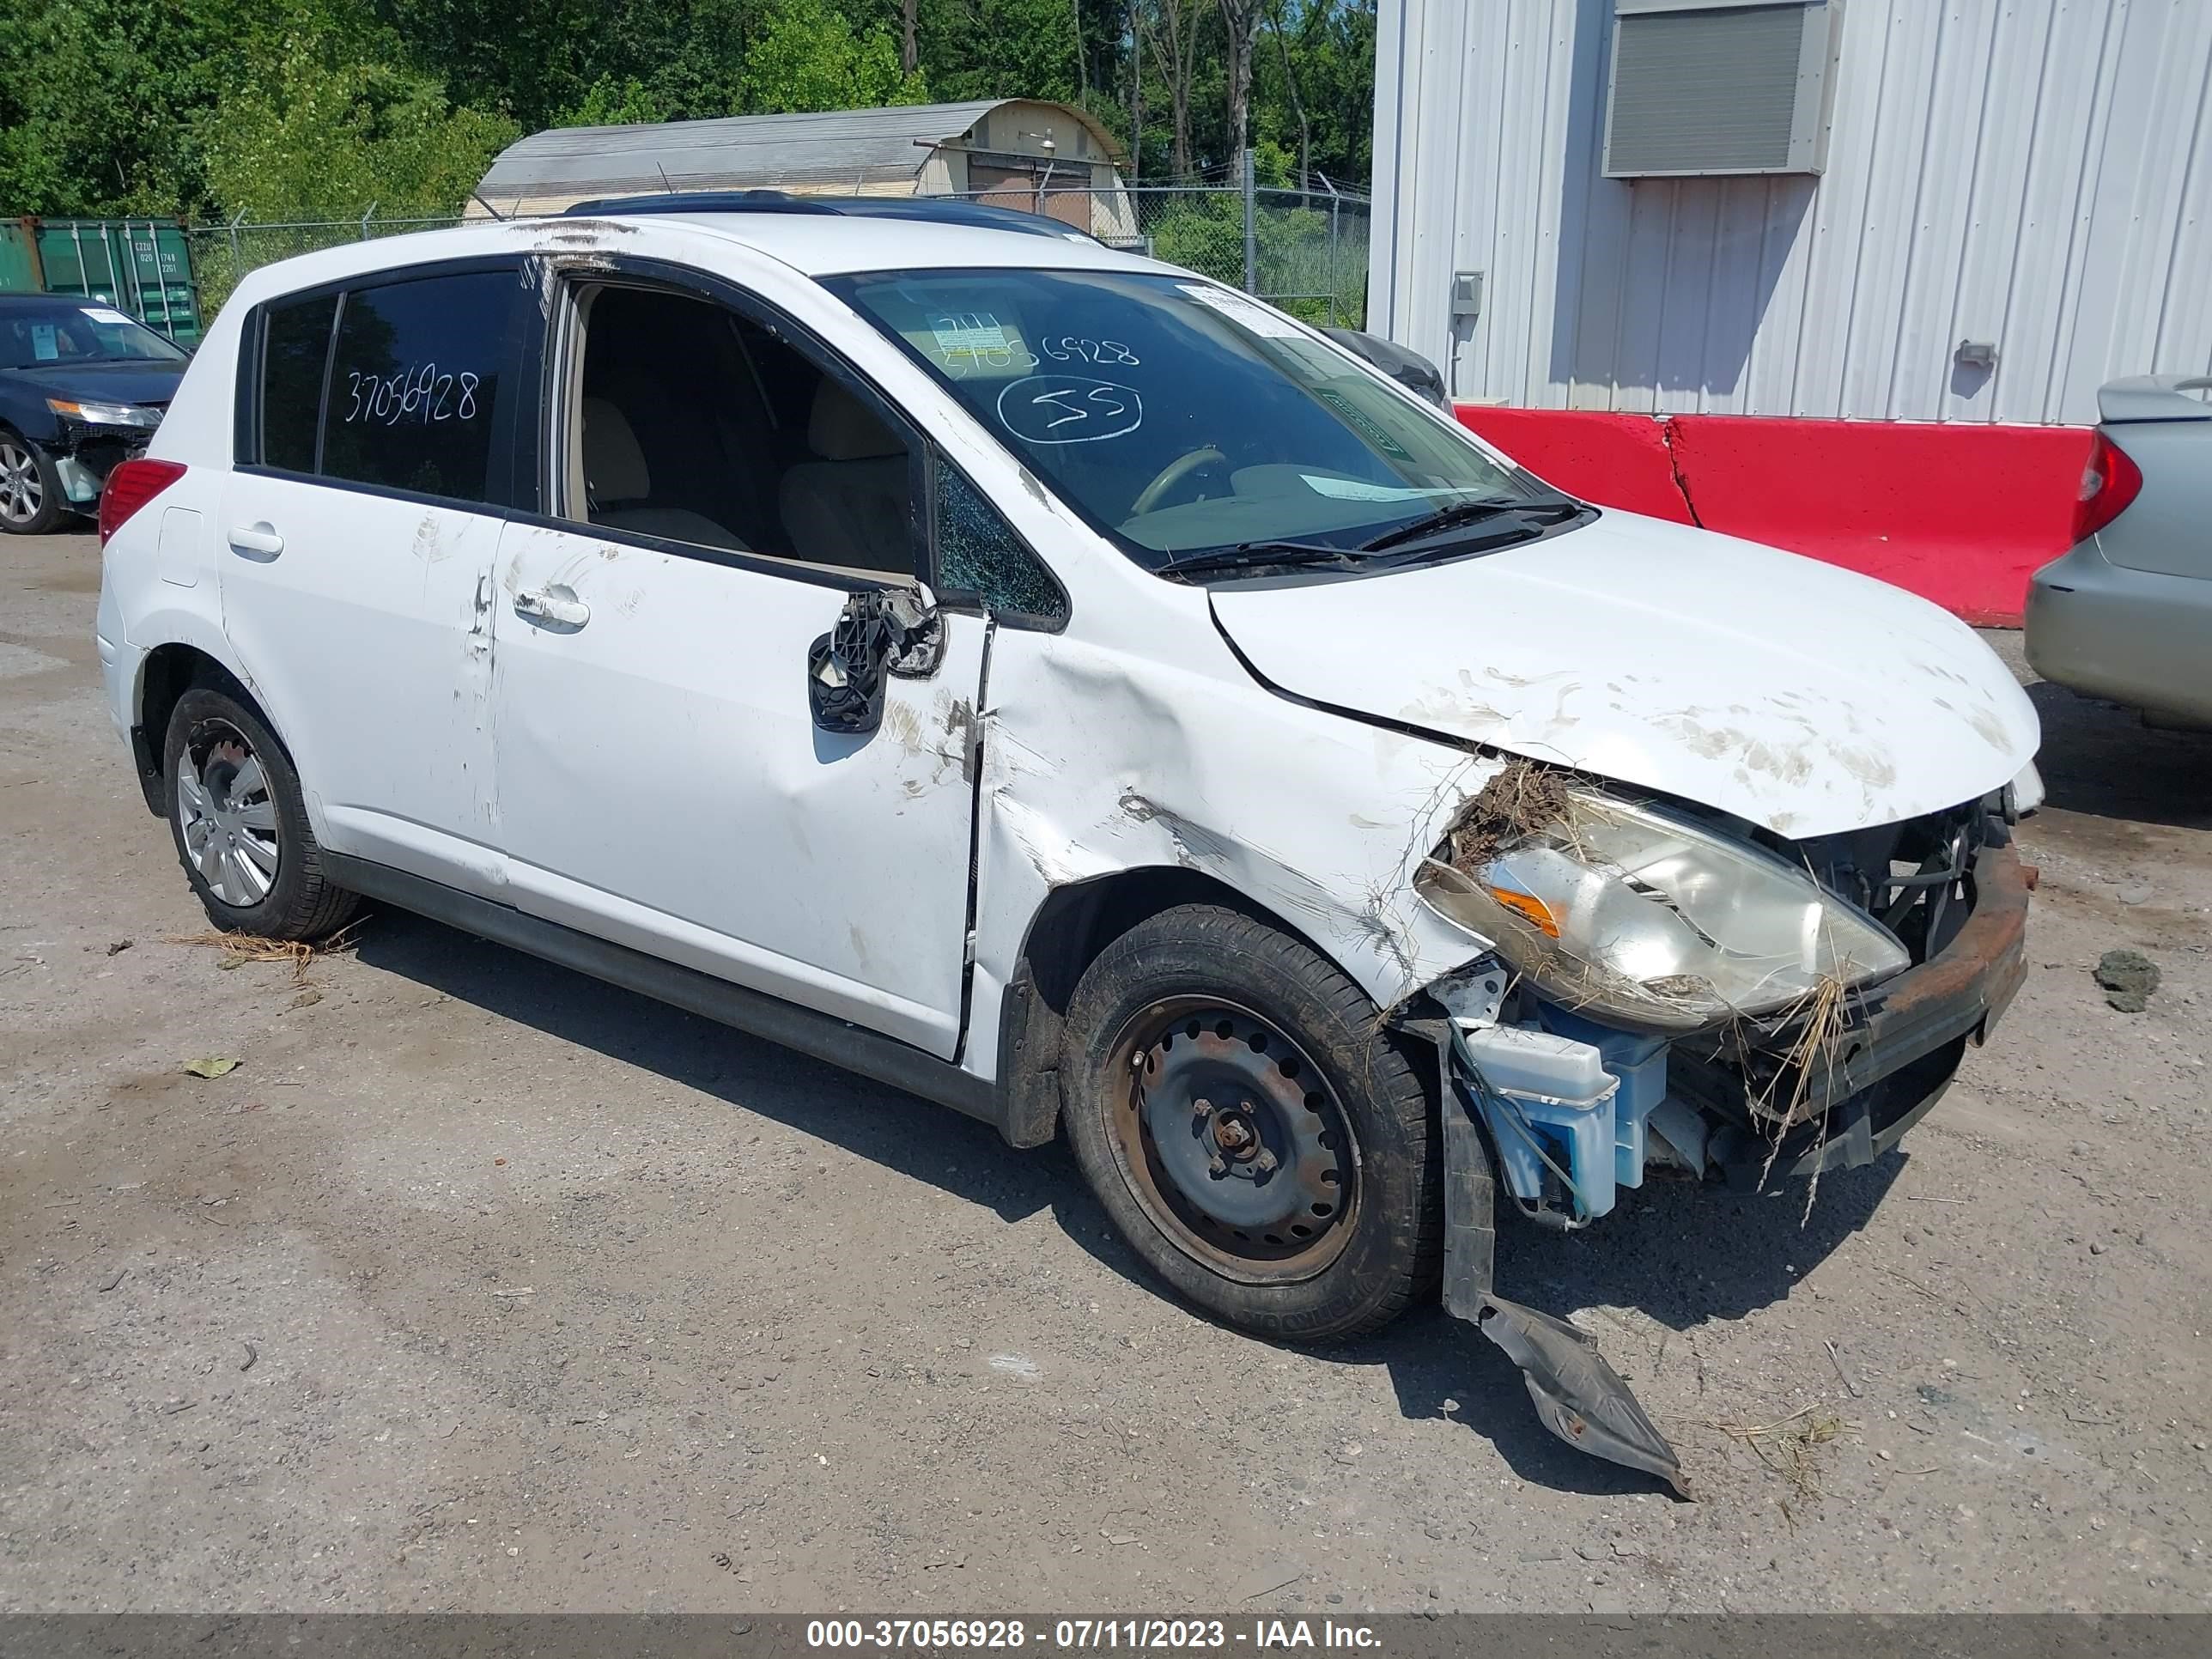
(1173, 474)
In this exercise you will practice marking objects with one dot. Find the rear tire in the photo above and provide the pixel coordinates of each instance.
(30, 499)
(1256, 1136)
(240, 822)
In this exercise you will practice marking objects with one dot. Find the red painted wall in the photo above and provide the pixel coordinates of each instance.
(1958, 514)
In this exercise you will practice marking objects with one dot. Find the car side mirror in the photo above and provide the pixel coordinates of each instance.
(882, 632)
(1409, 368)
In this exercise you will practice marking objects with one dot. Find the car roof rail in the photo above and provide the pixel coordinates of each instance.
(940, 210)
(699, 201)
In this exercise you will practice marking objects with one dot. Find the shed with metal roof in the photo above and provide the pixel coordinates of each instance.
(1045, 157)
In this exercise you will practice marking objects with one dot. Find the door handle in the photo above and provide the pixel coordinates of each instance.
(257, 539)
(555, 607)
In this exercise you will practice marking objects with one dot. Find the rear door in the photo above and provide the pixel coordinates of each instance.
(726, 487)
(356, 542)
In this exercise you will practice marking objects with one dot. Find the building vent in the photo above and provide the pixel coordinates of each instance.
(1702, 87)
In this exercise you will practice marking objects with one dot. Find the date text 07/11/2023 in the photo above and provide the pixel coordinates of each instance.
(1088, 1635)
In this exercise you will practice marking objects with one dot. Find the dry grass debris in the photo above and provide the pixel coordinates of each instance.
(1808, 1065)
(1789, 1445)
(1821, 1016)
(240, 949)
(1522, 796)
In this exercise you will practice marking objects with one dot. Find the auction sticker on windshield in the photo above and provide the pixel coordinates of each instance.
(1245, 314)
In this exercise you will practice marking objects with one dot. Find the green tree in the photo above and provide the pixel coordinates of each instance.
(808, 56)
(611, 103)
(98, 102)
(290, 107)
(203, 107)
(317, 132)
(1000, 49)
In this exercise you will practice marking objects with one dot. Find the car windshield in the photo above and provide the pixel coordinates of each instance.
(64, 332)
(1183, 419)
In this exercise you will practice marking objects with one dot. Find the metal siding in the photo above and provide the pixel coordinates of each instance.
(1392, 91)
(1438, 221)
(2184, 334)
(2034, 173)
(2020, 67)
(2185, 317)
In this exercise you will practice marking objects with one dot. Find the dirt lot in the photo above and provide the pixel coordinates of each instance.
(480, 1285)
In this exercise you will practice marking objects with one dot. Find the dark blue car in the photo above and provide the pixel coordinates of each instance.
(81, 387)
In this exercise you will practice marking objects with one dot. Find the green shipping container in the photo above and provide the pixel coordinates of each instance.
(139, 266)
(19, 257)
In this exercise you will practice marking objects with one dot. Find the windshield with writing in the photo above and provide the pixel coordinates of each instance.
(1179, 417)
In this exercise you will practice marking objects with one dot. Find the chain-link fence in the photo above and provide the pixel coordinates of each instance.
(1307, 248)
(223, 253)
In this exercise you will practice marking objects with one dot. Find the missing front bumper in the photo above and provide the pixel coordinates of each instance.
(1896, 1058)
(83, 461)
(1578, 1396)
(1901, 1049)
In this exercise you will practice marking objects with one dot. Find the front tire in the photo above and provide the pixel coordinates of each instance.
(31, 500)
(1255, 1135)
(240, 823)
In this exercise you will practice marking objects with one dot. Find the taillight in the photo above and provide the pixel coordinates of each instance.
(130, 487)
(2109, 483)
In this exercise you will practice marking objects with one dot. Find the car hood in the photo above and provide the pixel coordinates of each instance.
(106, 383)
(1802, 697)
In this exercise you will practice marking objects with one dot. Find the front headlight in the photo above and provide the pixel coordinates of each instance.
(1647, 920)
(105, 414)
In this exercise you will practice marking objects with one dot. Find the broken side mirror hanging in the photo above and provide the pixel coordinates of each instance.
(882, 631)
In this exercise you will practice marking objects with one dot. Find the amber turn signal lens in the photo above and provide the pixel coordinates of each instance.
(1524, 904)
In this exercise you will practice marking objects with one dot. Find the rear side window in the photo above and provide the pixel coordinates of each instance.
(415, 383)
(292, 353)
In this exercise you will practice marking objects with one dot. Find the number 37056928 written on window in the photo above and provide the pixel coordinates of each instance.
(423, 393)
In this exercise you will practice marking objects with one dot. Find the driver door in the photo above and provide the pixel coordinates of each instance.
(723, 491)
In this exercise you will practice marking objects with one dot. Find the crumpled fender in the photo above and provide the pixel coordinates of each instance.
(1095, 762)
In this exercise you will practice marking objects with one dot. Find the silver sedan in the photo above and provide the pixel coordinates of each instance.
(2126, 614)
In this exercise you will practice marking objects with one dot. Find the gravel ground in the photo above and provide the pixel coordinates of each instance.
(480, 1285)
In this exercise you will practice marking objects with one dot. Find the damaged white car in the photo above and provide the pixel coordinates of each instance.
(1062, 687)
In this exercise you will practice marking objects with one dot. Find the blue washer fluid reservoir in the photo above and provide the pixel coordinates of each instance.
(1555, 1090)
(1639, 1064)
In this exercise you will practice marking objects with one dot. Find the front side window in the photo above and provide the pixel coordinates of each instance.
(980, 556)
(1179, 417)
(693, 423)
(415, 383)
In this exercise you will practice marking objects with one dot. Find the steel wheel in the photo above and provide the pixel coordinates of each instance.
(1232, 1141)
(22, 494)
(227, 817)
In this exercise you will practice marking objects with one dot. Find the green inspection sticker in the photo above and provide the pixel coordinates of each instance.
(1366, 424)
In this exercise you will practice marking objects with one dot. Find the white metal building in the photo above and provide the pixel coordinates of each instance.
(2010, 205)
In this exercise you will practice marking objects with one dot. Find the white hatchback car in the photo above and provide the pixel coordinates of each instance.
(1063, 688)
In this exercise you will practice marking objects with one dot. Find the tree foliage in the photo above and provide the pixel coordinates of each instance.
(317, 133)
(810, 56)
(295, 108)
